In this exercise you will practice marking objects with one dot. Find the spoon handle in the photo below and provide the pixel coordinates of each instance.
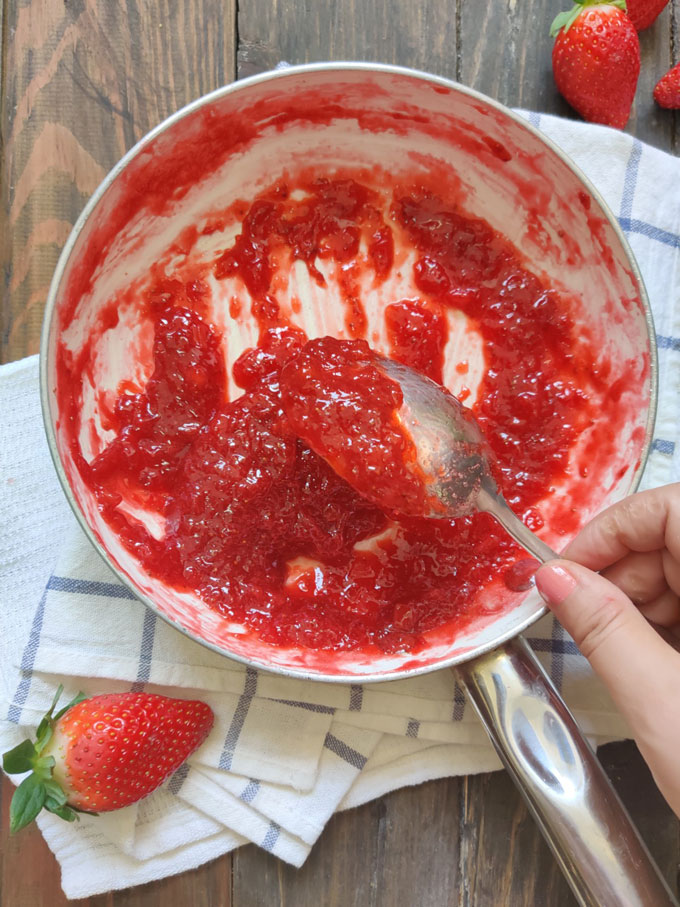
(491, 501)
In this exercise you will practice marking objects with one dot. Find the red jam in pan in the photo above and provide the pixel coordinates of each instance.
(256, 523)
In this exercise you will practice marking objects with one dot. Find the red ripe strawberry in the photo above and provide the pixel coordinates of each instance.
(596, 60)
(103, 753)
(643, 12)
(667, 90)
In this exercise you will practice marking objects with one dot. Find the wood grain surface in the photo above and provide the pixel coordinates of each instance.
(82, 80)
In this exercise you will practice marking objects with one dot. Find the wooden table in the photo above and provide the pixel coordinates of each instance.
(82, 80)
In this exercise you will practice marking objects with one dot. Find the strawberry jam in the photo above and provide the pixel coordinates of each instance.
(345, 407)
(254, 521)
(347, 403)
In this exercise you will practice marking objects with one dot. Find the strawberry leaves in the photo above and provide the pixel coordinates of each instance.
(55, 802)
(565, 19)
(20, 759)
(33, 794)
(39, 789)
(29, 798)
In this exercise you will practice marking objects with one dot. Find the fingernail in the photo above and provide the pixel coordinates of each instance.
(554, 584)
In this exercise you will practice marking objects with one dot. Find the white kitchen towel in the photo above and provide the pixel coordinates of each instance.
(284, 754)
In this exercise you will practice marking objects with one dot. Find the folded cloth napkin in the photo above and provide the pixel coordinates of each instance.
(284, 754)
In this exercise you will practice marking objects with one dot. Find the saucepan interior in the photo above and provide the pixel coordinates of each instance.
(369, 120)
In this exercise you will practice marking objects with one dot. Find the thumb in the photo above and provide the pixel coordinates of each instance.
(624, 650)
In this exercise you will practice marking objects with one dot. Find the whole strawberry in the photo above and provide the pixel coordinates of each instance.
(643, 12)
(667, 90)
(596, 60)
(103, 753)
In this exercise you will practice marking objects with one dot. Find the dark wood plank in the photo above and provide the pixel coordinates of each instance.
(421, 35)
(504, 859)
(650, 122)
(397, 851)
(207, 886)
(659, 827)
(84, 80)
(506, 52)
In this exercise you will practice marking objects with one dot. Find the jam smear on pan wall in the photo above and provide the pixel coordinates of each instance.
(255, 522)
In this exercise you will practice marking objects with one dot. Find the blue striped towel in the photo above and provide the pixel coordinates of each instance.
(284, 754)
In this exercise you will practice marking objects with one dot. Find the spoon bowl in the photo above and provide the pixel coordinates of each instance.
(453, 456)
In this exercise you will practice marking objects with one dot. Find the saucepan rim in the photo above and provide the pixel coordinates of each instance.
(472, 652)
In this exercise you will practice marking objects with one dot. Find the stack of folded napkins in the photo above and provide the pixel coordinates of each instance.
(284, 754)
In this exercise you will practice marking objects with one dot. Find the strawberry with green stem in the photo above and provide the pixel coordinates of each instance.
(596, 60)
(103, 753)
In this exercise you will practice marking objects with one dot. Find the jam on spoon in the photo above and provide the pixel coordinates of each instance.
(399, 439)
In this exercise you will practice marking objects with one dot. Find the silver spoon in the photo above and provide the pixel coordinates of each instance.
(453, 455)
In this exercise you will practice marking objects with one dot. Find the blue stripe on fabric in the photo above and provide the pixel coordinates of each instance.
(668, 343)
(309, 706)
(27, 662)
(271, 837)
(238, 720)
(630, 180)
(535, 119)
(250, 791)
(663, 446)
(557, 665)
(178, 779)
(633, 225)
(356, 697)
(559, 645)
(145, 651)
(345, 751)
(90, 587)
(458, 703)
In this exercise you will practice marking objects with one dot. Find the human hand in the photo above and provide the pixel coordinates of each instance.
(626, 619)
